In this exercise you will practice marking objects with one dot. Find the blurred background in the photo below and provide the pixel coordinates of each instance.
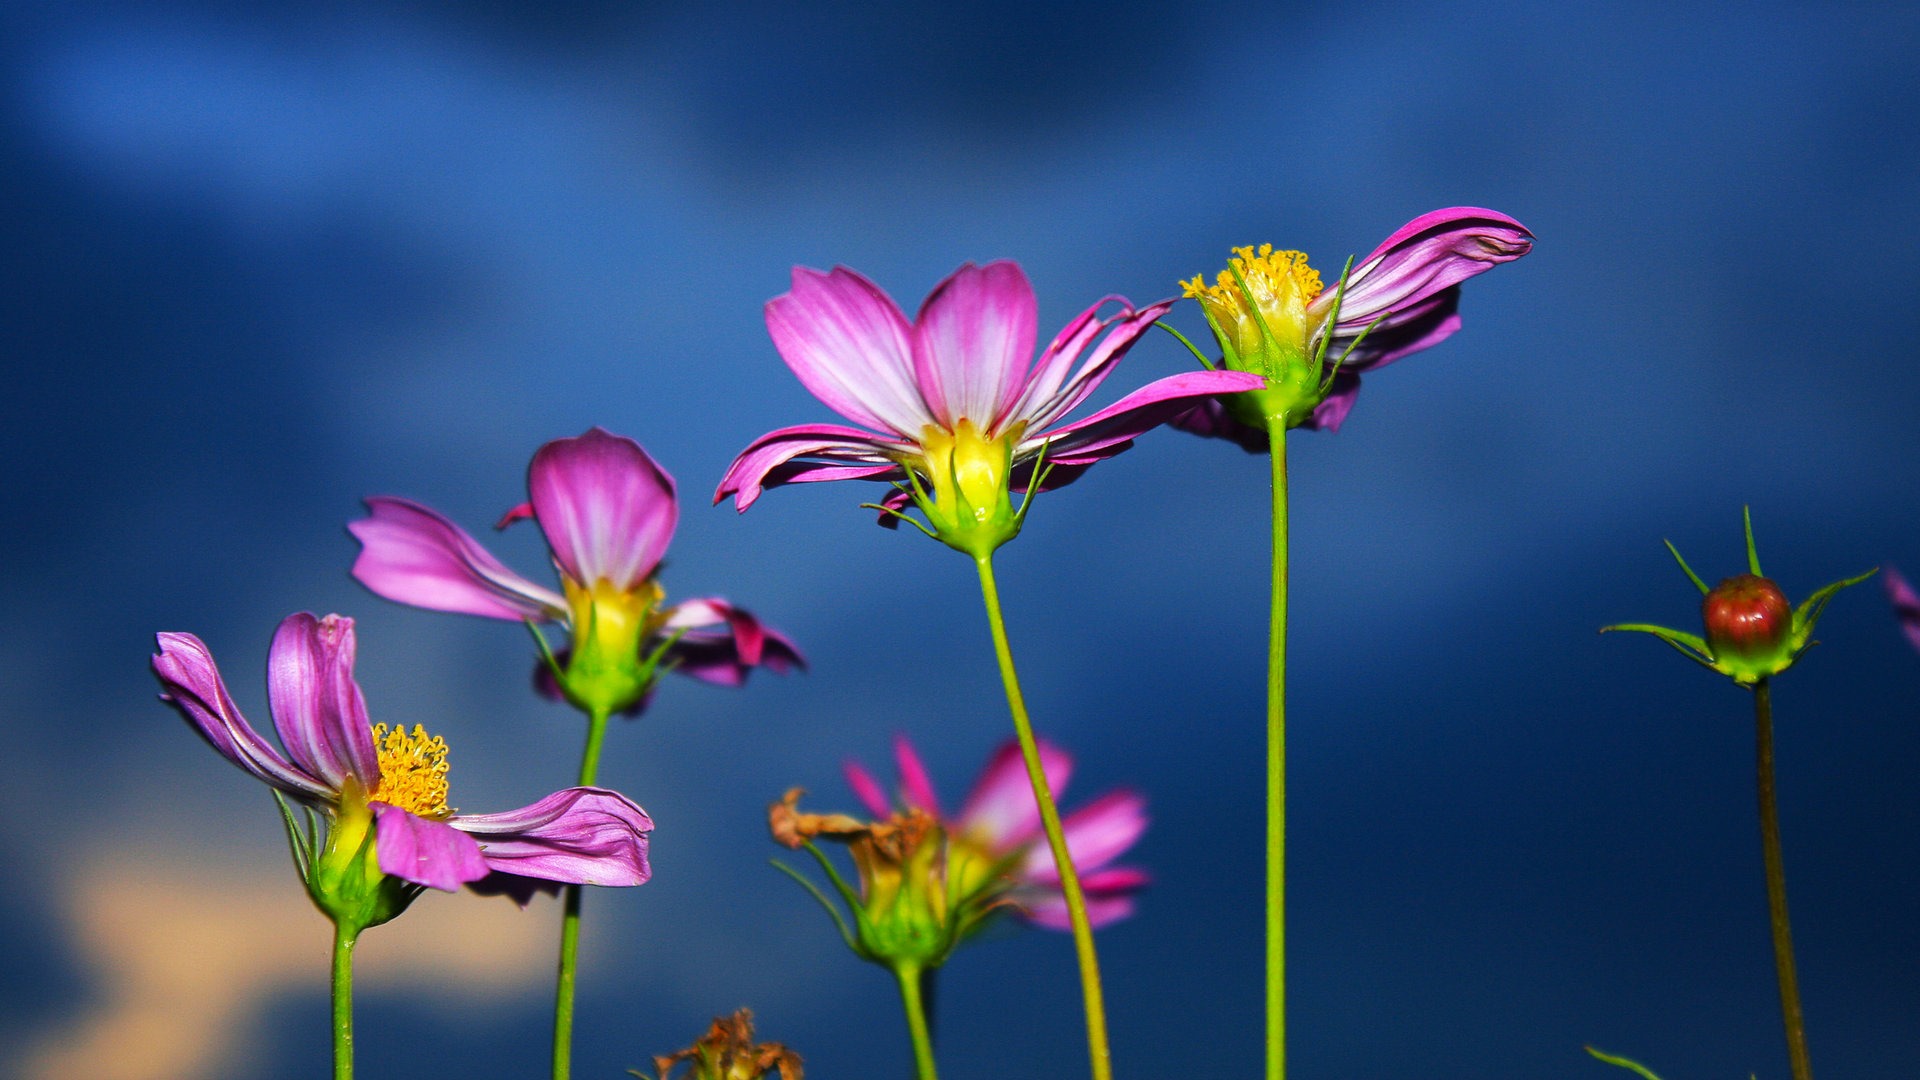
(261, 263)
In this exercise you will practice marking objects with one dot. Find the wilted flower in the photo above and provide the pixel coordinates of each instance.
(1906, 605)
(1001, 822)
(727, 1052)
(1272, 315)
(384, 791)
(1751, 633)
(957, 413)
(608, 512)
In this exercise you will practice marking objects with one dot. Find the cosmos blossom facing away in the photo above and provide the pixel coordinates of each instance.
(340, 764)
(1402, 298)
(1000, 819)
(953, 399)
(608, 512)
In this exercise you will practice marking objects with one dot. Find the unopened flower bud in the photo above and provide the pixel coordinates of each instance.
(1749, 625)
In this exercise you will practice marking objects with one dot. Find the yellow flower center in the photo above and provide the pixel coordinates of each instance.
(1273, 287)
(413, 770)
(612, 621)
(969, 471)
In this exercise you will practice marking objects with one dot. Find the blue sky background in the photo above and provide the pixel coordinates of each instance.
(261, 264)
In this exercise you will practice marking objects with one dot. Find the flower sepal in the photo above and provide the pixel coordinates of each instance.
(341, 870)
(1751, 632)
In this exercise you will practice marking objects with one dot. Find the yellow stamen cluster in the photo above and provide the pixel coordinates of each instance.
(1258, 309)
(413, 770)
(1269, 275)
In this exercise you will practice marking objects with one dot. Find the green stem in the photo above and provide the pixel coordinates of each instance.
(570, 918)
(343, 941)
(909, 976)
(1777, 887)
(1097, 1049)
(1277, 766)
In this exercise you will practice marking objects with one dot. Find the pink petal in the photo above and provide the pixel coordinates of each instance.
(1906, 605)
(1333, 409)
(1434, 251)
(866, 789)
(1000, 811)
(1049, 910)
(317, 707)
(972, 342)
(412, 555)
(581, 836)
(607, 509)
(1127, 327)
(1096, 834)
(1107, 432)
(1419, 327)
(850, 345)
(1211, 420)
(1047, 376)
(716, 658)
(191, 684)
(758, 466)
(915, 785)
(425, 852)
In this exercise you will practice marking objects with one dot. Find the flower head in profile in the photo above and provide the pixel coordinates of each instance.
(1273, 315)
(1001, 822)
(1906, 605)
(384, 791)
(1752, 633)
(953, 408)
(608, 512)
(727, 1052)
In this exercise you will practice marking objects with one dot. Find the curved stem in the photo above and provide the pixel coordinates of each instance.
(1277, 766)
(343, 941)
(1777, 887)
(1097, 1048)
(570, 918)
(909, 976)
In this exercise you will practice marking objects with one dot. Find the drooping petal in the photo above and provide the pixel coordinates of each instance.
(412, 555)
(1421, 326)
(1125, 330)
(1000, 811)
(915, 785)
(423, 851)
(1108, 431)
(1096, 834)
(1109, 896)
(749, 634)
(867, 789)
(715, 657)
(607, 509)
(1044, 381)
(317, 707)
(1906, 605)
(757, 467)
(1434, 251)
(972, 342)
(191, 684)
(1211, 420)
(580, 836)
(850, 345)
(1333, 409)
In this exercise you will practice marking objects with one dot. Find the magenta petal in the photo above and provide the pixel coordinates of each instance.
(972, 342)
(317, 707)
(850, 345)
(1096, 834)
(749, 634)
(1906, 605)
(866, 789)
(425, 852)
(1333, 409)
(864, 453)
(1106, 432)
(607, 509)
(580, 836)
(412, 555)
(1049, 910)
(915, 785)
(1047, 376)
(716, 658)
(1000, 811)
(1125, 329)
(191, 684)
(1432, 252)
(1211, 420)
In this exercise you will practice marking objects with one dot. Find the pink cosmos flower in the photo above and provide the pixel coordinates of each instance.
(1402, 298)
(1001, 819)
(340, 764)
(608, 511)
(951, 399)
(1906, 605)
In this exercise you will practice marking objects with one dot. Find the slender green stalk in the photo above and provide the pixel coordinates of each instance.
(570, 918)
(1277, 766)
(1777, 887)
(910, 976)
(343, 941)
(1097, 1048)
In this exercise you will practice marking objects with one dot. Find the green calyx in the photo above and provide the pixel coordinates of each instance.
(341, 870)
(963, 485)
(1750, 632)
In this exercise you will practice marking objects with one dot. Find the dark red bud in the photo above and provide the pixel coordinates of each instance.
(1748, 618)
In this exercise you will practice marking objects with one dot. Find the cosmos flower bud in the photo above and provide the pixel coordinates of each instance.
(1749, 626)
